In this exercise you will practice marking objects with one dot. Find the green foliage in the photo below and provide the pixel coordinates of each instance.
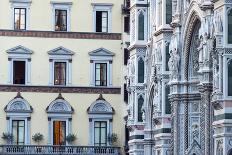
(38, 137)
(70, 138)
(8, 137)
(112, 138)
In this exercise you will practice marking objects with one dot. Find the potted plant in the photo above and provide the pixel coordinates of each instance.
(112, 138)
(8, 137)
(38, 137)
(70, 138)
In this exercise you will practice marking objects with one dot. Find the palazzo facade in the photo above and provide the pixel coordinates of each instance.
(61, 67)
(179, 77)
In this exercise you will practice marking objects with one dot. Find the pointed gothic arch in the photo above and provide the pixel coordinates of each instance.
(194, 19)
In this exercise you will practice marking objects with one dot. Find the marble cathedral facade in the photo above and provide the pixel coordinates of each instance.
(179, 77)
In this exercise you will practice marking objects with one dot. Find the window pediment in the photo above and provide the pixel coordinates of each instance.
(100, 106)
(19, 50)
(18, 105)
(20, 1)
(60, 105)
(101, 52)
(61, 51)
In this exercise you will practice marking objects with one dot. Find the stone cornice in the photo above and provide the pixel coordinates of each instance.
(54, 34)
(163, 30)
(60, 89)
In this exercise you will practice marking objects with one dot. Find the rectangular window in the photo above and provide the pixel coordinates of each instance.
(168, 11)
(18, 131)
(167, 56)
(167, 102)
(100, 133)
(60, 20)
(59, 133)
(101, 21)
(127, 24)
(126, 56)
(125, 94)
(19, 70)
(101, 74)
(60, 73)
(20, 19)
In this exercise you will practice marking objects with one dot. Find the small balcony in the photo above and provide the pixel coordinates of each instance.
(57, 150)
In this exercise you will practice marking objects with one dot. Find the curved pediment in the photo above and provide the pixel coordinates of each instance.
(18, 105)
(100, 106)
(59, 105)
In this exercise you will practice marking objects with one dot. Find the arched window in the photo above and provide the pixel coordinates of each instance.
(18, 114)
(230, 78)
(59, 120)
(140, 105)
(100, 122)
(230, 27)
(140, 71)
(141, 26)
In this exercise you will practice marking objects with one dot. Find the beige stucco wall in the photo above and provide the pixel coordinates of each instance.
(40, 17)
(80, 62)
(80, 121)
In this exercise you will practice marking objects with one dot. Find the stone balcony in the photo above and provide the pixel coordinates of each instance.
(57, 150)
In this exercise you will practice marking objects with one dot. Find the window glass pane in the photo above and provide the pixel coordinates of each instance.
(19, 19)
(140, 71)
(59, 133)
(19, 72)
(60, 73)
(18, 130)
(100, 74)
(103, 136)
(140, 105)
(141, 27)
(96, 136)
(230, 27)
(230, 78)
(167, 102)
(168, 11)
(167, 56)
(60, 20)
(98, 21)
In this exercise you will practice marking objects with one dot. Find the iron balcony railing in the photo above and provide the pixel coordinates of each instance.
(57, 150)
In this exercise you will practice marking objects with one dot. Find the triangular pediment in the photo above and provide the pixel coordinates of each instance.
(19, 50)
(101, 52)
(60, 51)
(195, 148)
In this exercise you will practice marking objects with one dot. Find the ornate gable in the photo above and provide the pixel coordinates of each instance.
(60, 51)
(195, 149)
(19, 50)
(101, 52)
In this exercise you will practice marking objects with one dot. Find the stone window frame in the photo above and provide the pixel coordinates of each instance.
(102, 7)
(19, 53)
(100, 110)
(62, 6)
(101, 55)
(227, 59)
(60, 54)
(59, 110)
(136, 107)
(13, 112)
(144, 12)
(25, 4)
